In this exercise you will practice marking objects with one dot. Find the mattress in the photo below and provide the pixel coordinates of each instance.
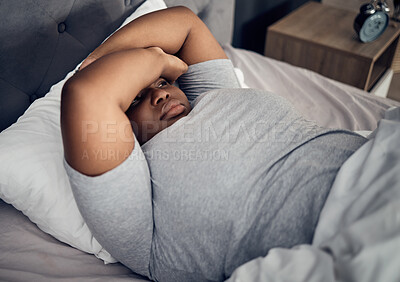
(29, 254)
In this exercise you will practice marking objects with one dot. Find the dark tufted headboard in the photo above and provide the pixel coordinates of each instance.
(42, 40)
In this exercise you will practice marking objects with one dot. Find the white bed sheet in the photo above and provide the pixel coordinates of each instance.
(330, 103)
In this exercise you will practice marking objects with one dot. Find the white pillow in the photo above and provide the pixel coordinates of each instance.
(32, 175)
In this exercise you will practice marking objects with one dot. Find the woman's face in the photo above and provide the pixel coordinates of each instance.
(155, 108)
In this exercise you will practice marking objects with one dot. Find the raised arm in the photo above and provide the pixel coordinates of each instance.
(97, 134)
(176, 30)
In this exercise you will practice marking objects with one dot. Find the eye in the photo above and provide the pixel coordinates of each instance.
(136, 100)
(162, 83)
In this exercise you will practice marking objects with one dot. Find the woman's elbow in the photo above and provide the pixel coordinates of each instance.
(74, 90)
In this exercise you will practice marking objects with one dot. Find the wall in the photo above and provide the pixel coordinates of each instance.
(252, 17)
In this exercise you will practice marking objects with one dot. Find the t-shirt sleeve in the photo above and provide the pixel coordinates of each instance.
(117, 207)
(208, 75)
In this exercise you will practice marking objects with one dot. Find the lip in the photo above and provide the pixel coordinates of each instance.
(172, 109)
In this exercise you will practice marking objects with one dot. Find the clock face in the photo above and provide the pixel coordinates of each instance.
(374, 26)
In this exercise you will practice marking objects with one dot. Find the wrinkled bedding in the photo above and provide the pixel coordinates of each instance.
(330, 103)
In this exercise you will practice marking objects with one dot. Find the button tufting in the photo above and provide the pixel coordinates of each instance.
(33, 98)
(61, 27)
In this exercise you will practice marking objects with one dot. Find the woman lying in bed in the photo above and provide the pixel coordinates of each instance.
(188, 183)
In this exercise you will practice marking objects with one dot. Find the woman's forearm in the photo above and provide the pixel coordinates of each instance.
(94, 102)
(175, 30)
(166, 29)
(120, 76)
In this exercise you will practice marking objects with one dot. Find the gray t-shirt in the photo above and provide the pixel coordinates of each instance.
(242, 173)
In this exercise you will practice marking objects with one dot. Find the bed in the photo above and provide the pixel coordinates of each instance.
(44, 238)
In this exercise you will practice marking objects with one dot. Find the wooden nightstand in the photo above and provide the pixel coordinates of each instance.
(321, 38)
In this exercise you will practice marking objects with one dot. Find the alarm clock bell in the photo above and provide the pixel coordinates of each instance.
(372, 20)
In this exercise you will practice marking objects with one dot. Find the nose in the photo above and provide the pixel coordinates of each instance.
(158, 96)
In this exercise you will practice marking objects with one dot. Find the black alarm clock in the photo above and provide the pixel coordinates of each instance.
(372, 20)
